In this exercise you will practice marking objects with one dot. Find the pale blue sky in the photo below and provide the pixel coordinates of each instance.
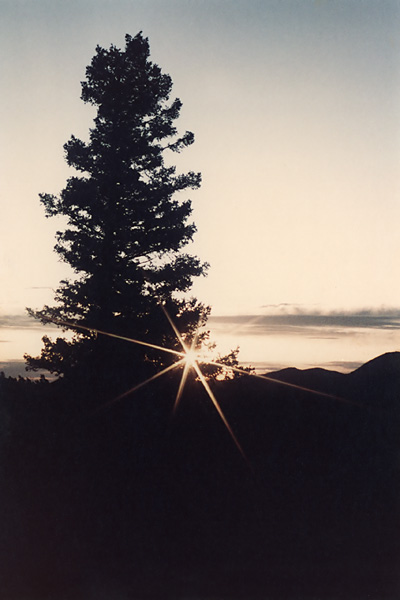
(295, 106)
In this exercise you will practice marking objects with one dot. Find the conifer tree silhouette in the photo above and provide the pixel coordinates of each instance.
(126, 229)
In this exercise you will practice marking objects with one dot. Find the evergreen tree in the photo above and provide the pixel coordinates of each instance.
(126, 228)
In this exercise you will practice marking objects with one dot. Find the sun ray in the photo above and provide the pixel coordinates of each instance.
(139, 385)
(182, 383)
(219, 411)
(116, 336)
(174, 327)
(284, 383)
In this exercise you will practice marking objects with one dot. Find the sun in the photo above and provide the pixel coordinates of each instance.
(190, 357)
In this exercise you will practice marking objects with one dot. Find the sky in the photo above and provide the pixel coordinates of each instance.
(295, 106)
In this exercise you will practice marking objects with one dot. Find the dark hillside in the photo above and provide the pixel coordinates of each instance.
(316, 379)
(378, 382)
(127, 503)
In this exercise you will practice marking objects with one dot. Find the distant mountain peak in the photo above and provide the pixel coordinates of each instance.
(387, 364)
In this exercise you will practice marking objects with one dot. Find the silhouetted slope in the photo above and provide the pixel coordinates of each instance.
(129, 503)
(316, 379)
(386, 366)
(376, 383)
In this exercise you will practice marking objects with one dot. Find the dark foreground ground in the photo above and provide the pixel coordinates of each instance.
(127, 503)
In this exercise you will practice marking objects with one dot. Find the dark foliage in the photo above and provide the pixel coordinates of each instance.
(126, 228)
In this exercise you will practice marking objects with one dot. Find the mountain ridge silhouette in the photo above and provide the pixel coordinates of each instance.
(378, 376)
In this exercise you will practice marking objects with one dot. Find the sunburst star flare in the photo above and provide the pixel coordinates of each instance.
(189, 359)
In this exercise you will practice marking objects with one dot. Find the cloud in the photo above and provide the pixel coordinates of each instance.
(280, 305)
(20, 321)
(15, 368)
(286, 308)
(313, 324)
(343, 365)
